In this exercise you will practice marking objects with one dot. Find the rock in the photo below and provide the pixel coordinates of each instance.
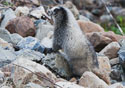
(105, 19)
(43, 31)
(21, 25)
(114, 61)
(15, 38)
(73, 9)
(8, 15)
(31, 43)
(22, 11)
(35, 73)
(88, 27)
(6, 87)
(116, 85)
(5, 35)
(82, 3)
(121, 53)
(28, 3)
(68, 85)
(81, 17)
(30, 55)
(1, 77)
(6, 56)
(118, 11)
(90, 80)
(5, 45)
(98, 40)
(104, 69)
(33, 85)
(87, 14)
(58, 63)
(111, 50)
(38, 12)
(117, 73)
(47, 42)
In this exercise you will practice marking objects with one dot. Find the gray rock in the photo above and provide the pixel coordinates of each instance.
(58, 63)
(31, 43)
(30, 54)
(105, 18)
(5, 35)
(33, 85)
(47, 41)
(6, 56)
(8, 15)
(81, 17)
(22, 11)
(68, 85)
(15, 38)
(111, 50)
(43, 30)
(117, 73)
(121, 54)
(38, 12)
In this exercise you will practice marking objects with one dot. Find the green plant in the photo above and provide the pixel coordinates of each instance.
(112, 27)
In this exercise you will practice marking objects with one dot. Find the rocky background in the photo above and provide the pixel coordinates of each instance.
(25, 33)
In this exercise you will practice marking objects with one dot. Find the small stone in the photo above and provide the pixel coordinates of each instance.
(67, 85)
(114, 61)
(15, 38)
(5, 45)
(5, 35)
(6, 57)
(8, 15)
(30, 55)
(38, 12)
(33, 85)
(22, 11)
(116, 85)
(31, 43)
(111, 50)
(90, 80)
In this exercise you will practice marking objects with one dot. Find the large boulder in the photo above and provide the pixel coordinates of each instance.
(90, 80)
(104, 69)
(88, 27)
(22, 25)
(26, 71)
(98, 40)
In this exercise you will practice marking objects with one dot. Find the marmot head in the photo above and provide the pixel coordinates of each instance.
(58, 13)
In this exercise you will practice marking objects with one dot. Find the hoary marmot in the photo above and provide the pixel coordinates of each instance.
(69, 37)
